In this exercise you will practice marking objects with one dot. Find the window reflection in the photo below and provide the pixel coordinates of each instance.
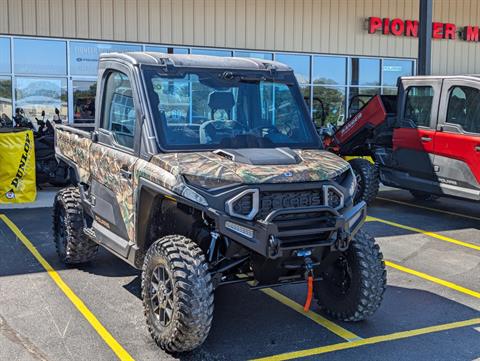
(167, 50)
(84, 101)
(34, 56)
(6, 96)
(328, 105)
(84, 55)
(37, 94)
(359, 97)
(329, 70)
(212, 52)
(299, 63)
(253, 54)
(5, 55)
(393, 69)
(365, 71)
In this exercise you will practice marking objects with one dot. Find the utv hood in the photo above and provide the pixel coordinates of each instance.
(253, 166)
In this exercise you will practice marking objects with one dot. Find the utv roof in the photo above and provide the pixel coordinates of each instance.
(195, 61)
(475, 77)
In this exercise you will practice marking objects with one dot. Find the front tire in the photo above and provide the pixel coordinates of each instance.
(177, 294)
(352, 287)
(73, 246)
(368, 180)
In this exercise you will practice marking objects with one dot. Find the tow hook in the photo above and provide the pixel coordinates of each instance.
(342, 241)
(273, 247)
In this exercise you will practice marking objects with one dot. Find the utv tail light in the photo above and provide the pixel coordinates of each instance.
(237, 228)
(332, 197)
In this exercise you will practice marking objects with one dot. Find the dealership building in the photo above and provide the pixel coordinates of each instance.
(340, 50)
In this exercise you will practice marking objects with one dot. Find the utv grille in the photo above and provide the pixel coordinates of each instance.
(302, 228)
(271, 201)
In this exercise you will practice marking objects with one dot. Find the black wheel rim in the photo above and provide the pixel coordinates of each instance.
(161, 295)
(339, 276)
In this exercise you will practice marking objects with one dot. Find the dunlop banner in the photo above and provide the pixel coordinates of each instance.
(17, 166)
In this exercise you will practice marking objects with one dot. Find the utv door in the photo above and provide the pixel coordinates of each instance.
(457, 142)
(414, 135)
(113, 158)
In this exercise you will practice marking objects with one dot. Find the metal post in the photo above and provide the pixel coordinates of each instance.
(425, 38)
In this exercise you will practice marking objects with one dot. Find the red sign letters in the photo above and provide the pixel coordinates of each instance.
(400, 27)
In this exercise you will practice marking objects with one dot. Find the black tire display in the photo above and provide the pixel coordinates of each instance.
(368, 180)
(73, 246)
(352, 287)
(423, 196)
(177, 294)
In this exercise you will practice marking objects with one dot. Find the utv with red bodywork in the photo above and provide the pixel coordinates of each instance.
(426, 139)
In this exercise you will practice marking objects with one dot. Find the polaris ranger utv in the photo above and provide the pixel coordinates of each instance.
(426, 139)
(202, 170)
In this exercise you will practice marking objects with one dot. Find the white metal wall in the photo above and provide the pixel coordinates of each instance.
(320, 26)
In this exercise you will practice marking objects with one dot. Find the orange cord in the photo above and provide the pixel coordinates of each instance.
(306, 308)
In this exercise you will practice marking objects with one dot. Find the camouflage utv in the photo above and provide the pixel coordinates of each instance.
(201, 170)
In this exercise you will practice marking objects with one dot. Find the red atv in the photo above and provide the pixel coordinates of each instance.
(426, 139)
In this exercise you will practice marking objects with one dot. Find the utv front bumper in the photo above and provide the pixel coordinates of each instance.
(289, 229)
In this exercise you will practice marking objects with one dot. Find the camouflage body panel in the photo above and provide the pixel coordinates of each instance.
(106, 164)
(76, 148)
(316, 165)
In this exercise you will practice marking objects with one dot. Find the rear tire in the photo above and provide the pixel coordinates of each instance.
(73, 246)
(368, 180)
(424, 196)
(177, 294)
(352, 287)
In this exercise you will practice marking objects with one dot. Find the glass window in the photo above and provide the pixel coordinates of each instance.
(212, 52)
(418, 107)
(203, 110)
(299, 63)
(5, 98)
(5, 55)
(118, 111)
(253, 54)
(84, 101)
(37, 94)
(390, 91)
(84, 55)
(329, 70)
(359, 97)
(393, 69)
(365, 71)
(464, 108)
(328, 105)
(35, 56)
(165, 49)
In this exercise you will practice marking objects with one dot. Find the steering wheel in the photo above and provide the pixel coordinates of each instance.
(208, 130)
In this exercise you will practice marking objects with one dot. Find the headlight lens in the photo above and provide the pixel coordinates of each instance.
(189, 193)
(353, 183)
(207, 182)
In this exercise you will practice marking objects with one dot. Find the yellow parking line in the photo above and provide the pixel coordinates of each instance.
(430, 209)
(315, 317)
(121, 353)
(371, 340)
(329, 325)
(437, 280)
(427, 233)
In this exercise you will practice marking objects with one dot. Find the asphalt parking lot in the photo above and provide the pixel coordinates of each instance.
(94, 312)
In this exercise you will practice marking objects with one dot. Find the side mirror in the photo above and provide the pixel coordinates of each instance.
(94, 136)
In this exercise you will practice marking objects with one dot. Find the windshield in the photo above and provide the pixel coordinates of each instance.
(211, 110)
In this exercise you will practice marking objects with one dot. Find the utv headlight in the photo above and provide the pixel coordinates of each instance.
(352, 188)
(190, 194)
(207, 182)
